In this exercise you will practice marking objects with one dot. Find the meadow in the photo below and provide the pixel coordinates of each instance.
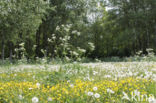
(105, 82)
(77, 51)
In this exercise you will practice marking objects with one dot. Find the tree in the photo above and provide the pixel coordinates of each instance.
(66, 12)
(134, 22)
(20, 17)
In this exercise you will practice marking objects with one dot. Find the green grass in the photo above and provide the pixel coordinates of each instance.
(72, 82)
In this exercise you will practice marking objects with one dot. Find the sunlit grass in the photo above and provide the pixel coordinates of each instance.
(79, 83)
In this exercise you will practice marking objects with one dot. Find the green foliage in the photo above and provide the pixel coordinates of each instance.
(62, 45)
(72, 30)
(57, 77)
(18, 18)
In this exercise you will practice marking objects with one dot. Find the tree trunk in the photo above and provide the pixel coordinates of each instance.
(148, 38)
(38, 37)
(44, 39)
(11, 46)
(19, 42)
(140, 46)
(155, 36)
(3, 48)
(144, 44)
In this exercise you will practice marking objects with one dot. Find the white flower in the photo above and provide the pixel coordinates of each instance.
(34, 77)
(68, 81)
(75, 62)
(136, 92)
(38, 85)
(97, 95)
(71, 85)
(49, 40)
(22, 44)
(107, 76)
(20, 97)
(78, 33)
(94, 72)
(92, 79)
(75, 53)
(125, 96)
(35, 100)
(75, 31)
(90, 93)
(50, 99)
(67, 29)
(151, 99)
(110, 91)
(95, 88)
(30, 88)
(57, 28)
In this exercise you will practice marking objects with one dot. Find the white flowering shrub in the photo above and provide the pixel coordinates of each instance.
(21, 53)
(62, 46)
(139, 56)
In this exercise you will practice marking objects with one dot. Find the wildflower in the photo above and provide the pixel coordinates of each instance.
(90, 93)
(94, 72)
(110, 91)
(75, 62)
(97, 95)
(68, 81)
(71, 85)
(92, 79)
(20, 97)
(75, 53)
(57, 28)
(107, 76)
(136, 92)
(66, 29)
(91, 45)
(151, 99)
(35, 100)
(62, 25)
(125, 96)
(38, 85)
(34, 77)
(22, 44)
(30, 88)
(50, 99)
(49, 40)
(75, 31)
(78, 33)
(95, 88)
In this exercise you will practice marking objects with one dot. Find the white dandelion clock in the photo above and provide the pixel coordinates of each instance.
(90, 93)
(35, 100)
(95, 88)
(151, 99)
(50, 99)
(97, 95)
(72, 85)
(38, 85)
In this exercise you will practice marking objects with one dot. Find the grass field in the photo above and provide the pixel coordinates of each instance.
(121, 82)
